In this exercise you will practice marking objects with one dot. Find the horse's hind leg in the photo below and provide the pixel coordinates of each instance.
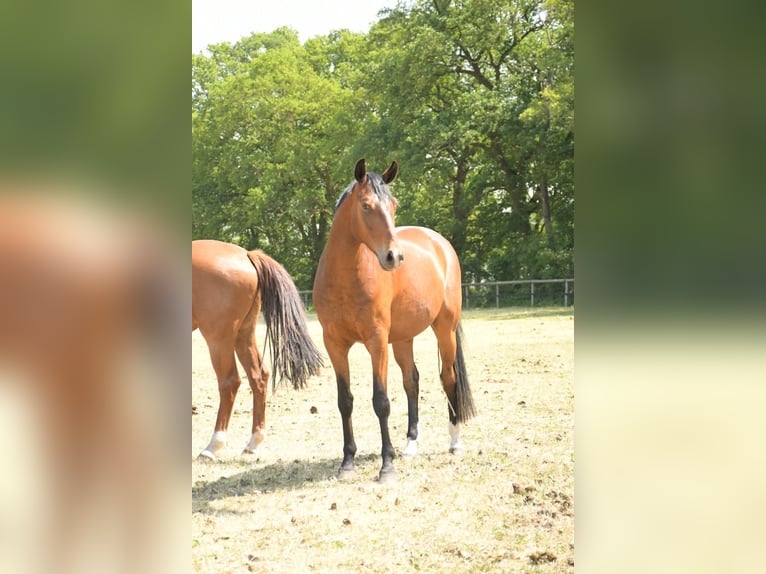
(258, 377)
(446, 337)
(225, 366)
(410, 379)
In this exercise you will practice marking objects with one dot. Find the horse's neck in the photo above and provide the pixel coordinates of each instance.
(347, 256)
(345, 250)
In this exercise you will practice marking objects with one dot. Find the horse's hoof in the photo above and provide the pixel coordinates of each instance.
(206, 456)
(387, 476)
(456, 449)
(346, 473)
(252, 452)
(411, 449)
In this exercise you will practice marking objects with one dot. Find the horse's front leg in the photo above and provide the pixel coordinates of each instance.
(378, 349)
(339, 358)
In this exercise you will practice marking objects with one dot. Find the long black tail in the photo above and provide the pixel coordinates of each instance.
(465, 408)
(293, 354)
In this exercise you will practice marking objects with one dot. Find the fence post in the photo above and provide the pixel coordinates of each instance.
(498, 284)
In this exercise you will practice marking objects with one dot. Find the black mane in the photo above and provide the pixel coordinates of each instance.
(379, 186)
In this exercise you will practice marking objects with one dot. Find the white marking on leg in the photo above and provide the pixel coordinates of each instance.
(454, 435)
(255, 442)
(217, 442)
(411, 448)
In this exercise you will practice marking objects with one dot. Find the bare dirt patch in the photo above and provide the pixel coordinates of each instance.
(505, 504)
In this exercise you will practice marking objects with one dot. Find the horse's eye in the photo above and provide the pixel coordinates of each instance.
(366, 206)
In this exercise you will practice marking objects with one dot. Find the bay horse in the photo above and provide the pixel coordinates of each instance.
(379, 284)
(229, 287)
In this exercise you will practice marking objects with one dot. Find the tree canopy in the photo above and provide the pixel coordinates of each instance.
(473, 98)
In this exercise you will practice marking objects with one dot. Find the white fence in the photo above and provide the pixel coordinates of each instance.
(497, 294)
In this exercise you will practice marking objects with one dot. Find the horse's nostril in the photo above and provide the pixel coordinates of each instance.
(392, 259)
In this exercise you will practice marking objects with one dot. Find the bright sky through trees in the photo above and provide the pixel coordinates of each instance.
(216, 21)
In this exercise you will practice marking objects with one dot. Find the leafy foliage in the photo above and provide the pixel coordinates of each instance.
(474, 98)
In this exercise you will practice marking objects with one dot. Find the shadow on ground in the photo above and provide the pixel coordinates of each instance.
(278, 476)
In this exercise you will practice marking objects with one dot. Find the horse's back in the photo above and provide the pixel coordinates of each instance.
(210, 254)
(426, 245)
(224, 284)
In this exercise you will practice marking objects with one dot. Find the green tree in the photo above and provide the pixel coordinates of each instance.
(481, 104)
(474, 98)
(271, 130)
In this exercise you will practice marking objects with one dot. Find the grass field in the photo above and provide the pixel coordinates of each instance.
(506, 504)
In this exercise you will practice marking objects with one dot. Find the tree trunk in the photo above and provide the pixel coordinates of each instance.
(459, 210)
(514, 187)
(544, 203)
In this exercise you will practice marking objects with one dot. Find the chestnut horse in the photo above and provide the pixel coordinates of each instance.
(379, 284)
(229, 286)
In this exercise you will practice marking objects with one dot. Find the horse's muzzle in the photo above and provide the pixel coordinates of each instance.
(391, 259)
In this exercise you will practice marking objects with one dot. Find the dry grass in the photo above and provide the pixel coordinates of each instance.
(505, 505)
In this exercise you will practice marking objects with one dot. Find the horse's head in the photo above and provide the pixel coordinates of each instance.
(372, 214)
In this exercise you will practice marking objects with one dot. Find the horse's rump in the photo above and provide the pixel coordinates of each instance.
(224, 287)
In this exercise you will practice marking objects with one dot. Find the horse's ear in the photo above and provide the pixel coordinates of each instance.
(360, 170)
(390, 174)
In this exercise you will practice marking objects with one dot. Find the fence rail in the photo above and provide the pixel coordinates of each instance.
(507, 293)
(512, 293)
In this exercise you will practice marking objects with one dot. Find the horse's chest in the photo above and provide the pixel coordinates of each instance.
(354, 315)
(360, 308)
(354, 302)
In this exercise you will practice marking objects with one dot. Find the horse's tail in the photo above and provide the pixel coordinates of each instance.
(464, 407)
(293, 354)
